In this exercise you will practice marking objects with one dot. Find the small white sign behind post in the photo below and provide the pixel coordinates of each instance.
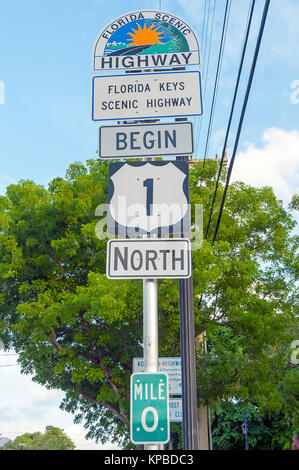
(175, 410)
(148, 95)
(148, 140)
(172, 366)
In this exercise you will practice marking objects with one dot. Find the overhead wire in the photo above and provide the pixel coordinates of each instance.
(205, 69)
(218, 70)
(10, 365)
(244, 107)
(205, 26)
(244, 48)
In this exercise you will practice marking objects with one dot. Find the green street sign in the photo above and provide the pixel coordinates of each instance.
(149, 408)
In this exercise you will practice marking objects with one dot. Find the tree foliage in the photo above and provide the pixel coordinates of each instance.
(52, 439)
(266, 431)
(77, 331)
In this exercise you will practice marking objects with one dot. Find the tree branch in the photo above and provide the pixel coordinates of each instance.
(54, 340)
(121, 415)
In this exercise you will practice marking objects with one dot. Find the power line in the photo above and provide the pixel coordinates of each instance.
(249, 85)
(206, 70)
(10, 365)
(256, 53)
(5, 355)
(245, 42)
(205, 25)
(221, 49)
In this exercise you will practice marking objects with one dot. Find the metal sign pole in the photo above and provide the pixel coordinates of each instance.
(150, 330)
(150, 333)
(189, 392)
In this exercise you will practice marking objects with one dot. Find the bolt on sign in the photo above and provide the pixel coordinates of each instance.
(145, 39)
(149, 423)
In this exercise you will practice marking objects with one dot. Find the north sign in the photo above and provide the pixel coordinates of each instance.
(148, 140)
(147, 95)
(145, 38)
(148, 197)
(149, 258)
(149, 411)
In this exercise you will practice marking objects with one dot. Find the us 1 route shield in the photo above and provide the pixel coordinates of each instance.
(149, 198)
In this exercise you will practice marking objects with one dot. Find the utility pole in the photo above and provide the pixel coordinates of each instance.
(189, 392)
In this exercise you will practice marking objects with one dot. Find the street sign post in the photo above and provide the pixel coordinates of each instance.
(146, 95)
(148, 197)
(187, 334)
(158, 258)
(148, 140)
(172, 366)
(149, 423)
(149, 39)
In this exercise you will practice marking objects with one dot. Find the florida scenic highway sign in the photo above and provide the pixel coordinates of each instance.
(145, 39)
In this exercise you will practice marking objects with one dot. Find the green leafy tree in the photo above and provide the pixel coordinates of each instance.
(265, 431)
(52, 439)
(77, 331)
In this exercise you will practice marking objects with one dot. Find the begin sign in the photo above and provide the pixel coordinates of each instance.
(148, 140)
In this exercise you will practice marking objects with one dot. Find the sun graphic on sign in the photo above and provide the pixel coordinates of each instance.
(145, 36)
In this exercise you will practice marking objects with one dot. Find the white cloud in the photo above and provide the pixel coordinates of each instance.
(5, 181)
(275, 163)
(26, 406)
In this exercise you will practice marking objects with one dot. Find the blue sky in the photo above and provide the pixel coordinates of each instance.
(45, 70)
(45, 65)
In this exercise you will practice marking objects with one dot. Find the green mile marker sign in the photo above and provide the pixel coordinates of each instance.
(149, 408)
